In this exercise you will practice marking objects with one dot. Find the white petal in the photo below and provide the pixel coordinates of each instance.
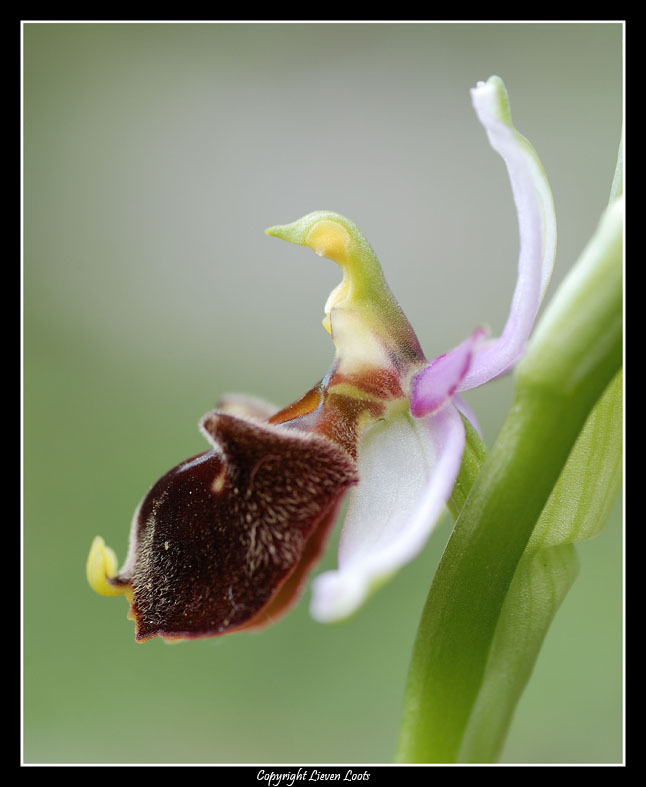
(537, 228)
(407, 469)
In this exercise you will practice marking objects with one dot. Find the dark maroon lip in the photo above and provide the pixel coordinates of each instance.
(218, 536)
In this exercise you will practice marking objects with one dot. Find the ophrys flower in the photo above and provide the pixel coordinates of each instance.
(225, 540)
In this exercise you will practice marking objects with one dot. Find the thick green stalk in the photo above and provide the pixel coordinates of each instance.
(572, 357)
(577, 509)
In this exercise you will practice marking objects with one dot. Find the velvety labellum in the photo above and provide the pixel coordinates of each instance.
(224, 540)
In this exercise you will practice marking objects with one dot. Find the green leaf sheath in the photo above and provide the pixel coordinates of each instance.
(574, 354)
(576, 510)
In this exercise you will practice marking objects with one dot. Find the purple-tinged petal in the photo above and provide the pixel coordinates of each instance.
(434, 386)
(537, 228)
(407, 467)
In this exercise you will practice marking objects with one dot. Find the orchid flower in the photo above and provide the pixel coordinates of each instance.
(225, 541)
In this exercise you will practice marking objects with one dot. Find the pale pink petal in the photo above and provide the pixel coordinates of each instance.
(537, 228)
(407, 470)
(434, 386)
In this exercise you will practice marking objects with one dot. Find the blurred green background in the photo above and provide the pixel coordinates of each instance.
(155, 155)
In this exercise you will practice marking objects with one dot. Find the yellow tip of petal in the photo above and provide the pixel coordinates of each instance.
(102, 566)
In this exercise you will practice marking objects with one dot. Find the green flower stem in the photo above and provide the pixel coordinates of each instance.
(577, 509)
(575, 352)
(540, 584)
